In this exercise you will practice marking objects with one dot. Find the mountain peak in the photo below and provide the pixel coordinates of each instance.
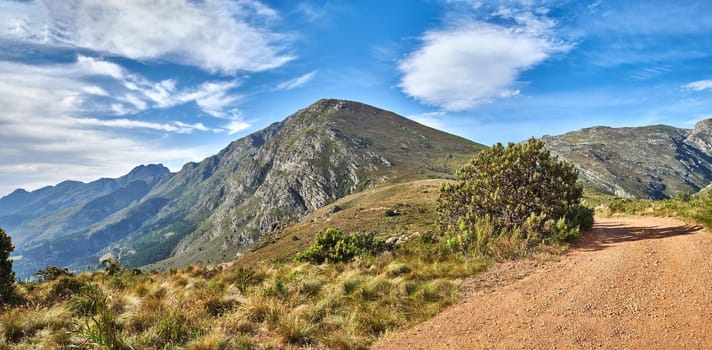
(259, 183)
(152, 169)
(146, 173)
(326, 104)
(703, 127)
(19, 191)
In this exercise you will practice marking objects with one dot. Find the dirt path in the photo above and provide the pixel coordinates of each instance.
(632, 283)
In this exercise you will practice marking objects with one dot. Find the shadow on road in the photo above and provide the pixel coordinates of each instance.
(604, 235)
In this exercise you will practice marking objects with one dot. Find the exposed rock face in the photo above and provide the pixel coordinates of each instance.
(647, 162)
(316, 156)
(211, 210)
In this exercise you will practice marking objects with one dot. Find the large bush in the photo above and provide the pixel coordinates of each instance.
(518, 190)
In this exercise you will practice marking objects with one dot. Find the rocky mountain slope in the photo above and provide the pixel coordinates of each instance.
(53, 210)
(648, 162)
(211, 210)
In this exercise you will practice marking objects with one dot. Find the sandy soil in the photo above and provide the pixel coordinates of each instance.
(631, 283)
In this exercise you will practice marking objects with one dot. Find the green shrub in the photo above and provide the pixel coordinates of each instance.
(582, 216)
(65, 288)
(51, 273)
(113, 266)
(333, 246)
(100, 325)
(244, 277)
(564, 231)
(172, 329)
(510, 197)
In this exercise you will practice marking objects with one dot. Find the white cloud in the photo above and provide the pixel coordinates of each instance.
(53, 123)
(95, 90)
(131, 93)
(296, 82)
(92, 66)
(212, 97)
(215, 35)
(311, 12)
(176, 127)
(235, 126)
(475, 62)
(699, 85)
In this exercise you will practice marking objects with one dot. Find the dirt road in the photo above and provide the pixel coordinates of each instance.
(631, 283)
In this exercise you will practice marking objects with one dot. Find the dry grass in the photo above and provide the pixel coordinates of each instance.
(342, 306)
(264, 300)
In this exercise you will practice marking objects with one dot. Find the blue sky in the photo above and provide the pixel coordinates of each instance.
(92, 88)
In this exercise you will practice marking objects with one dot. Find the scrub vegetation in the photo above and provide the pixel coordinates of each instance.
(329, 281)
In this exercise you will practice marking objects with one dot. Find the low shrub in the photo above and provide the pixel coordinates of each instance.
(333, 246)
(172, 329)
(51, 273)
(295, 330)
(100, 325)
(244, 278)
(65, 288)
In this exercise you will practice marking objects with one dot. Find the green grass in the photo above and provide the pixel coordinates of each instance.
(696, 208)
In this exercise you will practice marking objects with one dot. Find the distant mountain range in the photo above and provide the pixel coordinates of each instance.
(648, 162)
(210, 211)
(213, 210)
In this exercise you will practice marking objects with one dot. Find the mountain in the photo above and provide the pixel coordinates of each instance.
(648, 162)
(260, 183)
(53, 210)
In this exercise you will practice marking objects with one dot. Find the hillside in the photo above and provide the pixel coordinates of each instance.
(210, 211)
(401, 210)
(648, 162)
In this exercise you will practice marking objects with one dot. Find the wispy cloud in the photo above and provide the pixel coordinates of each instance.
(699, 85)
(60, 120)
(215, 35)
(653, 17)
(650, 72)
(296, 82)
(236, 126)
(474, 62)
(176, 127)
(311, 12)
(130, 93)
(620, 33)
